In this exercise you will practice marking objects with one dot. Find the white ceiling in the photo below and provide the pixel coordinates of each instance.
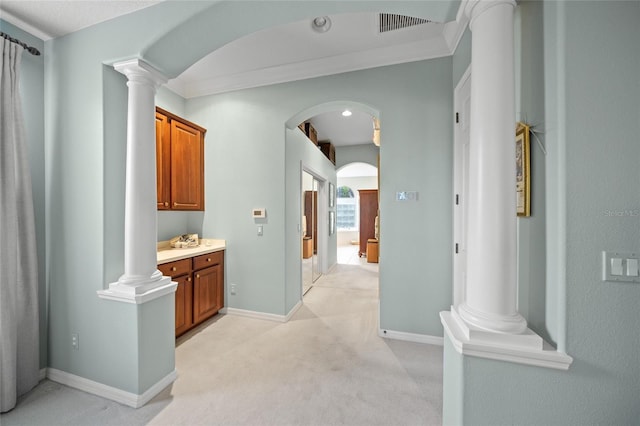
(53, 18)
(343, 131)
(286, 53)
(295, 51)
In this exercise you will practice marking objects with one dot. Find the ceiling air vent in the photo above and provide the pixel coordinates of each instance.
(392, 22)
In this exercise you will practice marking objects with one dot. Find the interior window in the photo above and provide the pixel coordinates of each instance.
(346, 214)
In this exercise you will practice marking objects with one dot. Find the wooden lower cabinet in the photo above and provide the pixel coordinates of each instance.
(200, 292)
(208, 288)
(184, 304)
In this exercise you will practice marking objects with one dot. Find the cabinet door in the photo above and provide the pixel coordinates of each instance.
(187, 167)
(208, 292)
(368, 213)
(163, 161)
(184, 304)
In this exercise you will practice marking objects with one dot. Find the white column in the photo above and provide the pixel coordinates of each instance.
(491, 293)
(141, 276)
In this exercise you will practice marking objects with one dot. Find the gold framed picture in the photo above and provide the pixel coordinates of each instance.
(523, 171)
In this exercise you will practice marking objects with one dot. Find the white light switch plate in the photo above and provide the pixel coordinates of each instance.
(620, 266)
(407, 196)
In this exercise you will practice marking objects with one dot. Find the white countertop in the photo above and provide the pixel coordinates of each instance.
(166, 253)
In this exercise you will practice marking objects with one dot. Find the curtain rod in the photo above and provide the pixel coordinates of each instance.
(28, 48)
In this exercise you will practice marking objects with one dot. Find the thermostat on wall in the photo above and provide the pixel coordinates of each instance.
(259, 213)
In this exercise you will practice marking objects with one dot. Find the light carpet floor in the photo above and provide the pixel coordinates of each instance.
(326, 366)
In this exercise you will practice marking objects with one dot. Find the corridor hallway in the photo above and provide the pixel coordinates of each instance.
(326, 366)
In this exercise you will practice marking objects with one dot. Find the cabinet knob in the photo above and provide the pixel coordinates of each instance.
(173, 268)
(208, 259)
(175, 203)
(166, 204)
(189, 279)
(197, 275)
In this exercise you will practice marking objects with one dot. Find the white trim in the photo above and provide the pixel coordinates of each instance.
(547, 357)
(254, 314)
(441, 46)
(262, 315)
(411, 337)
(560, 216)
(459, 172)
(160, 290)
(43, 374)
(109, 392)
(293, 311)
(454, 30)
(138, 68)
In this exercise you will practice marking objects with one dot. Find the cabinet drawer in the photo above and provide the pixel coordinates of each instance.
(207, 260)
(175, 269)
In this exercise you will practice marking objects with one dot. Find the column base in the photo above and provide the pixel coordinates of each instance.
(477, 320)
(140, 292)
(523, 338)
(525, 348)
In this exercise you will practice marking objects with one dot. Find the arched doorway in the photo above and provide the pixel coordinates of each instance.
(356, 211)
(300, 162)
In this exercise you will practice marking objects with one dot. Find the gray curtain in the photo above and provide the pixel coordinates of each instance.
(19, 351)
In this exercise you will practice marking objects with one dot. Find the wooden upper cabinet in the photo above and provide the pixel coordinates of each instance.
(187, 166)
(179, 162)
(163, 162)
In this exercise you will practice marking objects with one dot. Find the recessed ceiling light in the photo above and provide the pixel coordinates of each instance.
(321, 24)
(346, 113)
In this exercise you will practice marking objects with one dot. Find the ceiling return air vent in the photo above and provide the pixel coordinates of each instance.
(392, 22)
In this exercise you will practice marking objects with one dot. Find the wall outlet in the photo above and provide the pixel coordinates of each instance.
(233, 289)
(75, 341)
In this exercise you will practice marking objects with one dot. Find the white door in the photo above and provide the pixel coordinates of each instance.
(462, 100)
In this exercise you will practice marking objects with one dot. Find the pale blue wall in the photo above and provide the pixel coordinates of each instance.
(416, 154)
(462, 56)
(85, 135)
(245, 168)
(367, 153)
(32, 94)
(302, 153)
(534, 300)
(590, 84)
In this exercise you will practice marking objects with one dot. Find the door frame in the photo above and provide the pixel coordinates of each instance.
(461, 120)
(323, 217)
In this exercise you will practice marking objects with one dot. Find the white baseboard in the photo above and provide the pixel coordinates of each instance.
(411, 337)
(262, 315)
(253, 314)
(109, 392)
(293, 311)
(43, 374)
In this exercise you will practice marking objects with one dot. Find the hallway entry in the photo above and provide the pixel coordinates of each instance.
(310, 235)
(357, 214)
